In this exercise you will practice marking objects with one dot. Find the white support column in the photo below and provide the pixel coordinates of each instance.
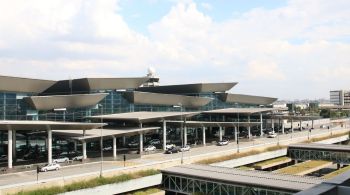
(282, 126)
(261, 125)
(273, 125)
(220, 133)
(141, 143)
(236, 134)
(9, 149)
(164, 135)
(114, 147)
(185, 135)
(301, 125)
(249, 134)
(84, 150)
(203, 132)
(14, 145)
(49, 146)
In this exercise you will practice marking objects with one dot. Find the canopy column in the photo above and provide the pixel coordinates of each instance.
(9, 149)
(14, 145)
(84, 150)
(114, 147)
(49, 146)
(164, 135)
(220, 133)
(261, 125)
(185, 135)
(249, 134)
(141, 143)
(203, 133)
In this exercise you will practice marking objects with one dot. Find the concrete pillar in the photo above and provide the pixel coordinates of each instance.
(312, 123)
(273, 125)
(196, 133)
(249, 134)
(261, 125)
(185, 135)
(236, 134)
(114, 147)
(9, 149)
(164, 135)
(14, 145)
(75, 145)
(300, 124)
(282, 126)
(220, 133)
(141, 143)
(84, 150)
(49, 146)
(291, 123)
(203, 133)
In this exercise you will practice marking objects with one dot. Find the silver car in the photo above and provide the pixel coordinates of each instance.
(50, 167)
(60, 160)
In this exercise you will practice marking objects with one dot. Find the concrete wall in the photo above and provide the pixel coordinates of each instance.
(122, 187)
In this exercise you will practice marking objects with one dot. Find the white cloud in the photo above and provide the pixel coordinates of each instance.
(307, 40)
(207, 6)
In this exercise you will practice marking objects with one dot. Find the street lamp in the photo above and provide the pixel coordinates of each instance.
(179, 105)
(101, 139)
(237, 134)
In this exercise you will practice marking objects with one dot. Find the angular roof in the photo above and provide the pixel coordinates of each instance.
(64, 101)
(46, 125)
(189, 88)
(24, 85)
(85, 85)
(246, 99)
(322, 147)
(251, 178)
(140, 117)
(137, 97)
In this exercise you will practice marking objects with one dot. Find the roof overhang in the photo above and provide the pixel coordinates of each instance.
(246, 99)
(140, 117)
(303, 118)
(47, 125)
(246, 111)
(137, 97)
(96, 133)
(64, 101)
(215, 123)
(24, 85)
(189, 88)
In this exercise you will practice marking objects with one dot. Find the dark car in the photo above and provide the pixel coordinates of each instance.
(172, 150)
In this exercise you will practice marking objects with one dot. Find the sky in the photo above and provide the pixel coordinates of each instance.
(289, 49)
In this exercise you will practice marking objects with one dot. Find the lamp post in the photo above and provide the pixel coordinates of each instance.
(238, 133)
(179, 105)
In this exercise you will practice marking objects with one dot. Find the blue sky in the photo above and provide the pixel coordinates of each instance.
(289, 49)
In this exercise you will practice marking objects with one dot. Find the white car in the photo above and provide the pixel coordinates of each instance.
(108, 148)
(169, 146)
(77, 158)
(185, 148)
(222, 142)
(150, 148)
(60, 160)
(272, 135)
(50, 167)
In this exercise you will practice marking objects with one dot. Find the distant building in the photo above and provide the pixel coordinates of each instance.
(340, 97)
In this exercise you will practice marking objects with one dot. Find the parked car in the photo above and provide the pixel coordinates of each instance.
(154, 142)
(60, 159)
(3, 157)
(78, 157)
(50, 167)
(107, 148)
(168, 146)
(222, 142)
(172, 150)
(149, 148)
(133, 144)
(185, 148)
(272, 135)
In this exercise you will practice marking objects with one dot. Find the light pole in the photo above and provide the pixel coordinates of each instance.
(101, 140)
(182, 138)
(237, 133)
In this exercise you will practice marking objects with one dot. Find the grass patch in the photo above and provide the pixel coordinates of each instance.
(239, 155)
(271, 161)
(301, 167)
(99, 181)
(245, 168)
(337, 172)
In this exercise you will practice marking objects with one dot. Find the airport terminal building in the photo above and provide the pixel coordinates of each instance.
(40, 119)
